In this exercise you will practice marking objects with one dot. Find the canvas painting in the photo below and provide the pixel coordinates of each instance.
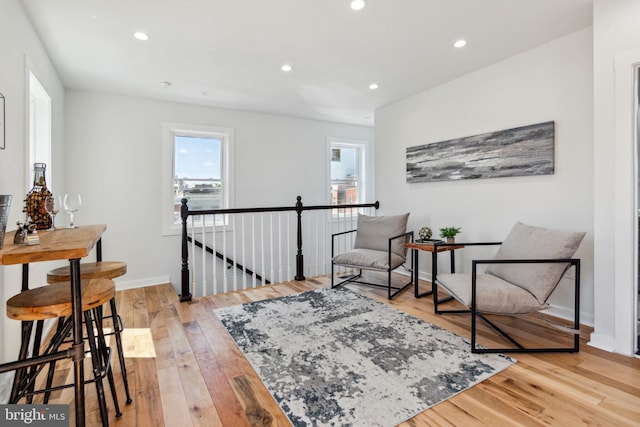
(521, 151)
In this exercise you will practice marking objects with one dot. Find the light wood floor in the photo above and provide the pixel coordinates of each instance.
(185, 370)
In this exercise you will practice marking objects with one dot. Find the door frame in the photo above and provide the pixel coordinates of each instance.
(626, 204)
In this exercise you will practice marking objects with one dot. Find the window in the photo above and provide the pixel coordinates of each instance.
(350, 165)
(197, 167)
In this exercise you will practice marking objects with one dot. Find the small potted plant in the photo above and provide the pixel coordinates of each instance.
(449, 233)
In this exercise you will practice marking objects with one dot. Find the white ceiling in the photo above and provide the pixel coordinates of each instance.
(232, 50)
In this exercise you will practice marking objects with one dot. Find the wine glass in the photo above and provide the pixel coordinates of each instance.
(72, 203)
(52, 207)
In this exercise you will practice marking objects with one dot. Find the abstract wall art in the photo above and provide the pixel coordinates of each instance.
(521, 151)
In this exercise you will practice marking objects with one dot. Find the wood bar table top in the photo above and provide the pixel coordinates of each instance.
(63, 243)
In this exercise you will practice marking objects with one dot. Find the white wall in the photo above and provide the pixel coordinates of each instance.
(551, 82)
(21, 46)
(616, 36)
(114, 161)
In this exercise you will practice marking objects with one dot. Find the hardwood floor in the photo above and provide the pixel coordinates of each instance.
(184, 370)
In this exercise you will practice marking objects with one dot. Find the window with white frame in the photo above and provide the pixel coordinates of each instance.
(350, 171)
(198, 163)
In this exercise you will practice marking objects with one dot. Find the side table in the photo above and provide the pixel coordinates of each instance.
(434, 248)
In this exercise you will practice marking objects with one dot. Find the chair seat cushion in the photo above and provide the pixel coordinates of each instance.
(368, 259)
(493, 295)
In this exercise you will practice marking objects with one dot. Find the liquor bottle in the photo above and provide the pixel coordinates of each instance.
(36, 198)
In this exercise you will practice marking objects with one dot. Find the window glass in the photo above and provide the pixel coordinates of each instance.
(198, 172)
(345, 175)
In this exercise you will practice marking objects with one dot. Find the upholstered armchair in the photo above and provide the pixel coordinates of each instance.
(379, 246)
(525, 271)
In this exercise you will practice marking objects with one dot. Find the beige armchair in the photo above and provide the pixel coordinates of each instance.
(378, 246)
(520, 278)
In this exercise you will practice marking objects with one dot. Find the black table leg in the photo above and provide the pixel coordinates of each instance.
(434, 272)
(78, 344)
(414, 254)
(416, 278)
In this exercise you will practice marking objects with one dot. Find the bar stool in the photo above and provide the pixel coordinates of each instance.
(100, 270)
(54, 301)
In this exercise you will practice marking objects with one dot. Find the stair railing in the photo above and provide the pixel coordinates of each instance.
(266, 263)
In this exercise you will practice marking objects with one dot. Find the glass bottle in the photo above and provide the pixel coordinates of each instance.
(36, 198)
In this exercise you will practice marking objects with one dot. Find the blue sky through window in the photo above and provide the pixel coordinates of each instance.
(197, 157)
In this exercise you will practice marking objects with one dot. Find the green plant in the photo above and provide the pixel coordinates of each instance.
(449, 231)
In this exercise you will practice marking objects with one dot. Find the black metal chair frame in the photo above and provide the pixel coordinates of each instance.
(408, 236)
(519, 348)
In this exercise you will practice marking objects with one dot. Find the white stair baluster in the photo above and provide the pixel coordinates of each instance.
(271, 245)
(213, 257)
(243, 261)
(204, 256)
(234, 270)
(253, 251)
(225, 283)
(264, 274)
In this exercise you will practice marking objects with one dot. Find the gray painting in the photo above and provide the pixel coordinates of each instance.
(521, 151)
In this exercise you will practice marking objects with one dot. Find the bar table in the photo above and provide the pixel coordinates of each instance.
(64, 243)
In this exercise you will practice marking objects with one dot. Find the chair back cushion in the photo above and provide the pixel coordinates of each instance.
(374, 232)
(528, 242)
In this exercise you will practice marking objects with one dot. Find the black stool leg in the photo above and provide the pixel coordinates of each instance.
(117, 329)
(102, 343)
(95, 360)
(27, 326)
(52, 365)
(37, 340)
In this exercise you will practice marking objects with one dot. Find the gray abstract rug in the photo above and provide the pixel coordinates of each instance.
(332, 357)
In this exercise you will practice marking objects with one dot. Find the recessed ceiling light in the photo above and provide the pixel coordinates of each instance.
(141, 36)
(358, 4)
(165, 84)
(286, 68)
(460, 43)
(373, 86)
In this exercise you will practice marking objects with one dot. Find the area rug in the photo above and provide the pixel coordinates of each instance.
(332, 357)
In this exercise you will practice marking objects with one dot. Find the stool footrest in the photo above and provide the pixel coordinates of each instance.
(99, 376)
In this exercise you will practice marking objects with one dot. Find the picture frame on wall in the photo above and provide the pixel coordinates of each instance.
(520, 151)
(2, 120)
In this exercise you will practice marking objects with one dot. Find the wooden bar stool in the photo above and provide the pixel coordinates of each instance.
(100, 270)
(89, 270)
(54, 301)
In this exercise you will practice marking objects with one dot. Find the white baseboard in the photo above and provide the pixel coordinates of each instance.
(134, 284)
(602, 342)
(564, 313)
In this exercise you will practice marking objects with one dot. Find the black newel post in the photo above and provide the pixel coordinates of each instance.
(299, 256)
(184, 214)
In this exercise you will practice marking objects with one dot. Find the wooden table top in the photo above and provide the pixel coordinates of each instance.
(429, 246)
(63, 243)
